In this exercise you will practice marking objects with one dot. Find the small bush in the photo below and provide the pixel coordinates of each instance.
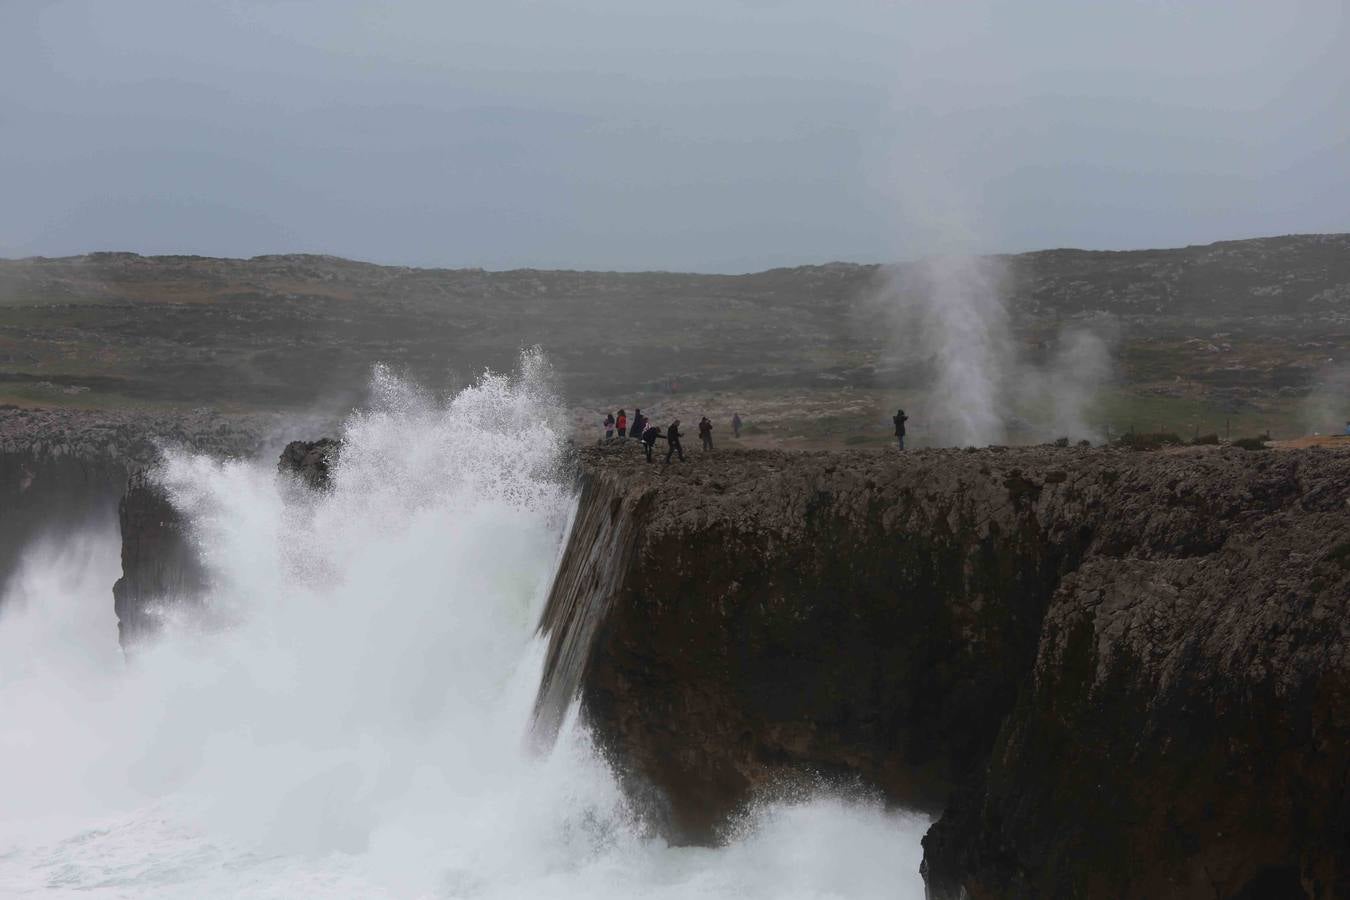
(1252, 443)
(1085, 443)
(1061, 442)
(1205, 439)
(1149, 441)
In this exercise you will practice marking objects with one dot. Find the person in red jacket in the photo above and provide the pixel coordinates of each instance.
(622, 424)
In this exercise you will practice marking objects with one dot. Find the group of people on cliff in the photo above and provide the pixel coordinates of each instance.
(642, 429)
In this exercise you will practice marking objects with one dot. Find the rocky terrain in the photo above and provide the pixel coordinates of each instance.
(1110, 673)
(1239, 327)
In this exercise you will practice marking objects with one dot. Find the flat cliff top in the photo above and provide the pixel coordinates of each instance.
(129, 435)
(774, 484)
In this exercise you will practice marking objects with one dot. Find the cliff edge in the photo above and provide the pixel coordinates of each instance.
(1109, 673)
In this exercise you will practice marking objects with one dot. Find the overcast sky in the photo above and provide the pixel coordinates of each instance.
(713, 135)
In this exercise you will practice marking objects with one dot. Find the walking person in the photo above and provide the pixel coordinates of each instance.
(622, 424)
(609, 425)
(673, 439)
(899, 419)
(705, 432)
(736, 425)
(649, 436)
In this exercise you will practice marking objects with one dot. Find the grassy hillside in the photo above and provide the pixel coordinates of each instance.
(1248, 329)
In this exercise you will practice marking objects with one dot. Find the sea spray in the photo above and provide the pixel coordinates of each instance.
(951, 313)
(347, 714)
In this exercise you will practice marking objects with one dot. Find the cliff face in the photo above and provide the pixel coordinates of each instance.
(45, 491)
(62, 470)
(1113, 673)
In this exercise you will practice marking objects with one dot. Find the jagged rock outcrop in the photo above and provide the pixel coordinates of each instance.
(311, 461)
(1116, 674)
(160, 565)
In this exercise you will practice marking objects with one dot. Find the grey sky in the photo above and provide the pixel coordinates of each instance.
(699, 135)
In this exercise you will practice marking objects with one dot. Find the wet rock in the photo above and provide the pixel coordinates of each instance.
(311, 461)
(161, 567)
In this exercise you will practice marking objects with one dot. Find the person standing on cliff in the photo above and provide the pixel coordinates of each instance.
(639, 424)
(649, 436)
(609, 425)
(736, 425)
(673, 439)
(623, 424)
(899, 419)
(705, 433)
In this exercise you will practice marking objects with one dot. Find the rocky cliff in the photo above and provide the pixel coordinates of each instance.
(160, 564)
(1112, 674)
(61, 469)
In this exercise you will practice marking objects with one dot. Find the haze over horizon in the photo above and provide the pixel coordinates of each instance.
(731, 136)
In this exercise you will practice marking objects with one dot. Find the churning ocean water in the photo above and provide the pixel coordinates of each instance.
(348, 715)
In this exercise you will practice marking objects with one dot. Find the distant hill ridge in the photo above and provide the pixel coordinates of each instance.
(1340, 240)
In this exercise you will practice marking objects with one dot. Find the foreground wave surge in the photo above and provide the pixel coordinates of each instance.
(347, 715)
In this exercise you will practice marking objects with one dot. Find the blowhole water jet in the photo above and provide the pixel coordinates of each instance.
(952, 312)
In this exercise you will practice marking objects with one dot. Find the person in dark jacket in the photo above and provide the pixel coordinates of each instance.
(609, 426)
(649, 436)
(899, 419)
(623, 424)
(736, 425)
(705, 433)
(638, 425)
(673, 439)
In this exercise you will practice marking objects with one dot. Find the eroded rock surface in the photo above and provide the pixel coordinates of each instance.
(1112, 673)
(161, 566)
(310, 461)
